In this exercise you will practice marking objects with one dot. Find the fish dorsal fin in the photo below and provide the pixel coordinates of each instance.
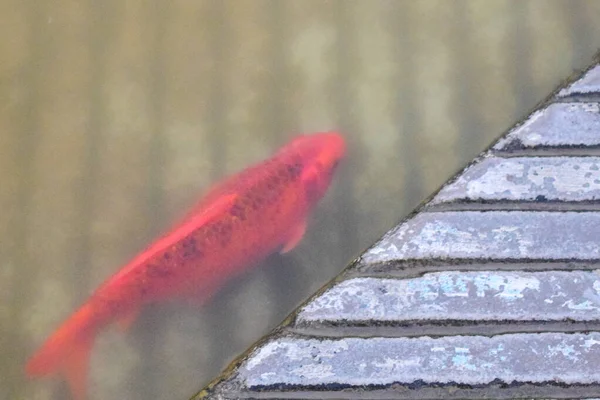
(210, 197)
(211, 212)
(295, 237)
(182, 230)
(193, 222)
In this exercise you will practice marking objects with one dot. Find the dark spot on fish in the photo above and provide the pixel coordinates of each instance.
(167, 256)
(198, 251)
(294, 170)
(189, 247)
(226, 229)
(238, 211)
(190, 242)
(225, 232)
(270, 196)
(157, 271)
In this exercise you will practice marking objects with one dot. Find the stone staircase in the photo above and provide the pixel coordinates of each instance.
(490, 290)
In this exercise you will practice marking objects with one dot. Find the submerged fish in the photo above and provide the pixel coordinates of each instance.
(239, 223)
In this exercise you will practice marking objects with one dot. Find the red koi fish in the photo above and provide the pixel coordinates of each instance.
(240, 222)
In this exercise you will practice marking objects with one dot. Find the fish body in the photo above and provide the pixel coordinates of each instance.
(240, 222)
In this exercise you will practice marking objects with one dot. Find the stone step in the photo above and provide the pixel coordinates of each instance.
(528, 364)
(463, 298)
(558, 125)
(491, 235)
(531, 179)
(589, 83)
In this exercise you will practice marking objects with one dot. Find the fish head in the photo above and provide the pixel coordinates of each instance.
(320, 155)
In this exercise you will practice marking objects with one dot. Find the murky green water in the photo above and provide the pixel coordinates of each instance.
(115, 116)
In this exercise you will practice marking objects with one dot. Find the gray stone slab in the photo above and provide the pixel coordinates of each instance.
(465, 296)
(589, 83)
(468, 360)
(492, 235)
(526, 178)
(558, 125)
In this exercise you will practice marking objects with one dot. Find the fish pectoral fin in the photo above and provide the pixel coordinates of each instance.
(295, 237)
(125, 321)
(310, 180)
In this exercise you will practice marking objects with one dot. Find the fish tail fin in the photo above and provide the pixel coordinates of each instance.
(67, 352)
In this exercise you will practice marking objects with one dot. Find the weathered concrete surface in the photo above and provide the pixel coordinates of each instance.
(456, 360)
(504, 297)
(526, 179)
(590, 83)
(492, 235)
(558, 125)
